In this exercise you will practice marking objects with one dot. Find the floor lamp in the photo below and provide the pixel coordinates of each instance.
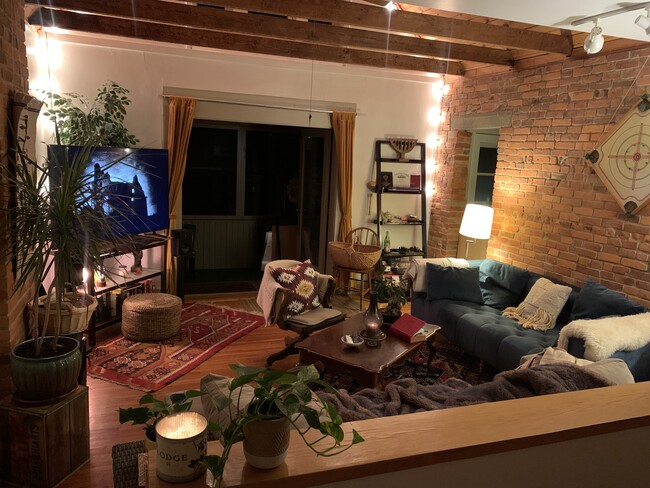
(476, 224)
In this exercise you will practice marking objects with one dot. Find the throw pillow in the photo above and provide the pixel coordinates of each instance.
(595, 301)
(541, 306)
(453, 283)
(502, 285)
(302, 283)
(416, 271)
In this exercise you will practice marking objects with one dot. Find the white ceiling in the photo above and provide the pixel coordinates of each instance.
(552, 13)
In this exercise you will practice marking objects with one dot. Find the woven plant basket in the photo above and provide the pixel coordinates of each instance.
(73, 318)
(353, 256)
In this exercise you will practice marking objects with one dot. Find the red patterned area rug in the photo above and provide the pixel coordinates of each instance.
(148, 366)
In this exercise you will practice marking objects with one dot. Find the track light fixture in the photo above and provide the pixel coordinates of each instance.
(643, 21)
(594, 41)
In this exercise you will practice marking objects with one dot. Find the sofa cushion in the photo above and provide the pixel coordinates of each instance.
(502, 285)
(542, 305)
(417, 270)
(595, 301)
(453, 283)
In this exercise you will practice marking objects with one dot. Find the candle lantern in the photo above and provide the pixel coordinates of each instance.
(372, 321)
(182, 440)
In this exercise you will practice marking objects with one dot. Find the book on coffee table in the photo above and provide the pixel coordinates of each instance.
(407, 327)
(424, 333)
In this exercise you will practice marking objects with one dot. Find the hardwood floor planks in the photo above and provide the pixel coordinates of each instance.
(106, 398)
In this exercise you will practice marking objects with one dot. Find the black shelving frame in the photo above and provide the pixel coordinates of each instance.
(421, 162)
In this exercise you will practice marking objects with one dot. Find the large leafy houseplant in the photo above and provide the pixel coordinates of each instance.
(278, 394)
(79, 120)
(57, 228)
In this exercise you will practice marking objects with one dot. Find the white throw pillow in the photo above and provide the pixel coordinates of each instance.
(542, 305)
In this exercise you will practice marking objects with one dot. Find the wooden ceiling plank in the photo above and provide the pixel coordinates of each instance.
(279, 28)
(237, 42)
(407, 22)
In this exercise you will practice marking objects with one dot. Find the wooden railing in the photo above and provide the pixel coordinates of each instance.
(595, 438)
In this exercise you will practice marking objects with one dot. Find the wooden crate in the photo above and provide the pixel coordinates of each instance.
(42, 445)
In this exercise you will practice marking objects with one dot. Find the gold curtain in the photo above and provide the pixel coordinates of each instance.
(181, 116)
(343, 125)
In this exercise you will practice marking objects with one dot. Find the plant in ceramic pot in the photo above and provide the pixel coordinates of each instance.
(152, 409)
(393, 294)
(57, 228)
(280, 399)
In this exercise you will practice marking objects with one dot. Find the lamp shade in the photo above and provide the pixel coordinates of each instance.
(477, 221)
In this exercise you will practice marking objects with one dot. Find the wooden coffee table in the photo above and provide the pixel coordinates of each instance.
(365, 364)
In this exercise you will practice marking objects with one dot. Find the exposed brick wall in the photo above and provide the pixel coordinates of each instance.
(553, 215)
(13, 76)
(448, 201)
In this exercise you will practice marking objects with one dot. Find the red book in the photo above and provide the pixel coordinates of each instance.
(406, 327)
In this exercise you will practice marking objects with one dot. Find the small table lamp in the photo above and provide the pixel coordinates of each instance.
(476, 223)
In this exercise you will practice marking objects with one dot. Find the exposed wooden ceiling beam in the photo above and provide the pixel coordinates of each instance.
(359, 15)
(237, 42)
(282, 28)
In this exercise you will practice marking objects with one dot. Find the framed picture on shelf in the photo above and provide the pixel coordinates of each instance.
(386, 180)
(401, 180)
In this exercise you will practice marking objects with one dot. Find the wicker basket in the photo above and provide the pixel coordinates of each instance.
(353, 256)
(73, 318)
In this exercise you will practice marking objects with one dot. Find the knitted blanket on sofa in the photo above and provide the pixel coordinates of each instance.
(406, 396)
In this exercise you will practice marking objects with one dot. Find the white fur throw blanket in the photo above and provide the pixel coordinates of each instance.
(603, 337)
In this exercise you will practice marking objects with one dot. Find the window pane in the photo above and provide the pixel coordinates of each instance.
(272, 174)
(484, 189)
(210, 183)
(487, 160)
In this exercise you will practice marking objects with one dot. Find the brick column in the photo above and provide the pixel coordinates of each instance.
(13, 76)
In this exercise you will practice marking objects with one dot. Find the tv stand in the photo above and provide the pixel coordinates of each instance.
(123, 279)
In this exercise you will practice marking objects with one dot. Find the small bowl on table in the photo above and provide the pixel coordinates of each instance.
(352, 340)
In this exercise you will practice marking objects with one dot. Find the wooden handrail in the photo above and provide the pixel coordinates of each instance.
(426, 439)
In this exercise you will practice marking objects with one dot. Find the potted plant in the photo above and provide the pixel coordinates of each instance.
(156, 410)
(278, 398)
(77, 120)
(394, 295)
(56, 230)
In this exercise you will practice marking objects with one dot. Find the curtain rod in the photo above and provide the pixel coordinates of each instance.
(263, 105)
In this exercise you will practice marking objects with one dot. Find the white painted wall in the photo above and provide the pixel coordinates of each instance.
(388, 102)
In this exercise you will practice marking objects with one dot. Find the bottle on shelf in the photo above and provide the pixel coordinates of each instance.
(387, 243)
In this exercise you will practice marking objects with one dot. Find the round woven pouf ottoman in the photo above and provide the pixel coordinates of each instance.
(151, 316)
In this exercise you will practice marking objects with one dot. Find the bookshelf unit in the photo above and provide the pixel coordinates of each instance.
(121, 281)
(402, 189)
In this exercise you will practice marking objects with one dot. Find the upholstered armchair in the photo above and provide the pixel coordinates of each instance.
(295, 297)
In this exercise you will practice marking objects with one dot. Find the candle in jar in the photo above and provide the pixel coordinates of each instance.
(181, 442)
(372, 325)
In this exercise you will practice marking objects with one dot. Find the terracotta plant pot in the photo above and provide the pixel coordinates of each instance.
(46, 378)
(266, 442)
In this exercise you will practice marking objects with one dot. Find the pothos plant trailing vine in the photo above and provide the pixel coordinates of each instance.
(278, 394)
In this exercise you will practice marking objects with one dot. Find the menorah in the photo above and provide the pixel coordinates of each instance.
(403, 145)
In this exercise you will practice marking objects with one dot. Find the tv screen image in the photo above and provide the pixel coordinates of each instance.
(128, 185)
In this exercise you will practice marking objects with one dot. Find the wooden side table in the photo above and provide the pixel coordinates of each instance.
(41, 445)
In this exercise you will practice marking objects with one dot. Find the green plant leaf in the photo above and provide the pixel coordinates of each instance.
(356, 437)
(136, 415)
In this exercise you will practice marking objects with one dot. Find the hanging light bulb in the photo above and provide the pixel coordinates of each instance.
(390, 6)
(594, 41)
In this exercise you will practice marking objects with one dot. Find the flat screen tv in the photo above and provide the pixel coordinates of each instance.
(128, 185)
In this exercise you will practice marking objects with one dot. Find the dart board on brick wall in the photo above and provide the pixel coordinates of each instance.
(622, 159)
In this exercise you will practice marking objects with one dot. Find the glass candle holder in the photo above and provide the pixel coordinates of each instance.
(372, 322)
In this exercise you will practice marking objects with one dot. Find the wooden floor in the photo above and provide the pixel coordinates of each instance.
(106, 398)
